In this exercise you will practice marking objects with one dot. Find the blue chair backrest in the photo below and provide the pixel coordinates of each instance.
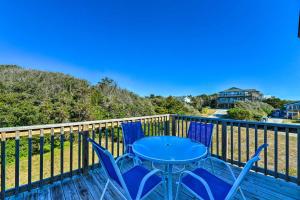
(132, 131)
(107, 162)
(201, 132)
(245, 170)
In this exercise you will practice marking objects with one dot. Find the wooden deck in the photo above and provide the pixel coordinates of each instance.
(255, 186)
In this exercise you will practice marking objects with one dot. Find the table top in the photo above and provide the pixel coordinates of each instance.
(169, 149)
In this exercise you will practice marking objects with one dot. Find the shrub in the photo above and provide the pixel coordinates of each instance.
(250, 110)
(239, 113)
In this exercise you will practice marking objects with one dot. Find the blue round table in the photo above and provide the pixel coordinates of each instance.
(169, 150)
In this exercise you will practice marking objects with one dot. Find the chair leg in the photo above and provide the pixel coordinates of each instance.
(164, 185)
(242, 193)
(121, 166)
(178, 189)
(212, 166)
(104, 190)
(136, 161)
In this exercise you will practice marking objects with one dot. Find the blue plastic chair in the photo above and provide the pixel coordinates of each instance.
(205, 185)
(136, 183)
(202, 133)
(132, 131)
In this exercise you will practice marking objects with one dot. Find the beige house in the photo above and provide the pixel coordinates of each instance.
(293, 110)
(227, 98)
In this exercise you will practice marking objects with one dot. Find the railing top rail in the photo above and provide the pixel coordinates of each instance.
(49, 126)
(295, 126)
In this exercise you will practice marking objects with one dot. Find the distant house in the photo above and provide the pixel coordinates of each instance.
(187, 99)
(293, 110)
(227, 98)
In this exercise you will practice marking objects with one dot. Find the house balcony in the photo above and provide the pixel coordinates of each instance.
(56, 161)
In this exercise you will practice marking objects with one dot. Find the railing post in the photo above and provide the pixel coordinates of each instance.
(3, 171)
(224, 141)
(85, 150)
(173, 117)
(298, 159)
(167, 126)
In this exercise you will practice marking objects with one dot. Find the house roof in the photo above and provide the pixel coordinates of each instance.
(292, 103)
(233, 89)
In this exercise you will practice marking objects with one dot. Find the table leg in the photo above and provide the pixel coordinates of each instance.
(170, 182)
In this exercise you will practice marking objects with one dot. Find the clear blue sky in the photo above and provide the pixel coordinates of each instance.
(161, 47)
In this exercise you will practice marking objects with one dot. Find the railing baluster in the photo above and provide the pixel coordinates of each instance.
(212, 139)
(93, 152)
(71, 150)
(231, 142)
(148, 129)
(118, 139)
(247, 141)
(287, 154)
(144, 124)
(159, 125)
(52, 155)
(256, 144)
(123, 146)
(3, 163)
(298, 156)
(164, 126)
(112, 138)
(41, 156)
(186, 126)
(217, 139)
(152, 127)
(239, 144)
(155, 126)
(224, 140)
(62, 138)
(85, 149)
(265, 150)
(100, 135)
(17, 163)
(106, 136)
(29, 159)
(178, 123)
(276, 151)
(80, 129)
(182, 127)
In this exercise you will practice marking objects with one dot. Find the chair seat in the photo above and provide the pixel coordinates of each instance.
(219, 188)
(134, 177)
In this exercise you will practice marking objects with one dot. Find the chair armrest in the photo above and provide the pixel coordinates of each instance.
(224, 163)
(145, 179)
(204, 183)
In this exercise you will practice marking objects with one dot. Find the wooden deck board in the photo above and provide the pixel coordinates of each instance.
(255, 186)
(57, 192)
(69, 190)
(83, 190)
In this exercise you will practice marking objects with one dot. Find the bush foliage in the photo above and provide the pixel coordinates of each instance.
(30, 97)
(250, 110)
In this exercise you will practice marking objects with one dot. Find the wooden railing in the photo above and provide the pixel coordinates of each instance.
(33, 156)
(235, 141)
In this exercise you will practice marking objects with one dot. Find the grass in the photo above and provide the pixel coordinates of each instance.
(217, 146)
(207, 112)
(291, 121)
(10, 168)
